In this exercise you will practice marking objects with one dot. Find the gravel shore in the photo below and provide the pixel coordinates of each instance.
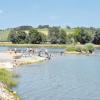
(5, 94)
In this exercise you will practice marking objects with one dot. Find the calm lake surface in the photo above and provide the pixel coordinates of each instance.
(68, 77)
(62, 78)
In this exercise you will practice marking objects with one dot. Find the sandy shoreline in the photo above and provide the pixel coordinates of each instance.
(11, 60)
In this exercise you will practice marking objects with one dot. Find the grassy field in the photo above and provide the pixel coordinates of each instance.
(69, 31)
(45, 31)
(4, 35)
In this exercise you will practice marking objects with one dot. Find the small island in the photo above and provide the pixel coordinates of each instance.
(85, 49)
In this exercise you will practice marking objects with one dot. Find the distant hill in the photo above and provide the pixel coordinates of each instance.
(23, 28)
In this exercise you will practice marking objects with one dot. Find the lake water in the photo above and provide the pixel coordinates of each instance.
(62, 78)
(68, 77)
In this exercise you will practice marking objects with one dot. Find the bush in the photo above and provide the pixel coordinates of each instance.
(89, 47)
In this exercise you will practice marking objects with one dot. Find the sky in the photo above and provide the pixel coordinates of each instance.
(74, 13)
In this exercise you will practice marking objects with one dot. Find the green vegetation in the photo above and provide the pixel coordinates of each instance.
(7, 78)
(52, 35)
(36, 37)
(44, 31)
(17, 36)
(4, 35)
(87, 48)
(82, 36)
(21, 37)
(71, 48)
(57, 36)
(96, 39)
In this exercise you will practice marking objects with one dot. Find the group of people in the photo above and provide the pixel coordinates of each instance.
(40, 52)
(12, 50)
(30, 51)
(45, 53)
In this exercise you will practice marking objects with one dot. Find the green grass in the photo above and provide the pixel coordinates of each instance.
(7, 78)
(4, 35)
(34, 45)
(68, 31)
(44, 31)
(87, 48)
(9, 44)
(71, 48)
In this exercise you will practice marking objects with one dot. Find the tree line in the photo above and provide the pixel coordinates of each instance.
(56, 35)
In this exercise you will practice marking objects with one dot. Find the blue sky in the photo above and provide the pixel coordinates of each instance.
(53, 12)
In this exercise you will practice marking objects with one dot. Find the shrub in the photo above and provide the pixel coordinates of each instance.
(89, 47)
(78, 49)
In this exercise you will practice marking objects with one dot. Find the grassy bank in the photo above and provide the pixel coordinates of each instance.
(7, 81)
(7, 78)
(34, 45)
(9, 44)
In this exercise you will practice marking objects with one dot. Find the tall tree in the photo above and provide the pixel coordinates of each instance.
(62, 37)
(96, 39)
(12, 36)
(82, 36)
(36, 37)
(54, 35)
(57, 35)
(21, 37)
(17, 36)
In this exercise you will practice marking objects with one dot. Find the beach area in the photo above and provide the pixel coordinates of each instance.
(12, 59)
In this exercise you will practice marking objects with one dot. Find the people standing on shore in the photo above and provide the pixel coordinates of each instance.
(47, 54)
